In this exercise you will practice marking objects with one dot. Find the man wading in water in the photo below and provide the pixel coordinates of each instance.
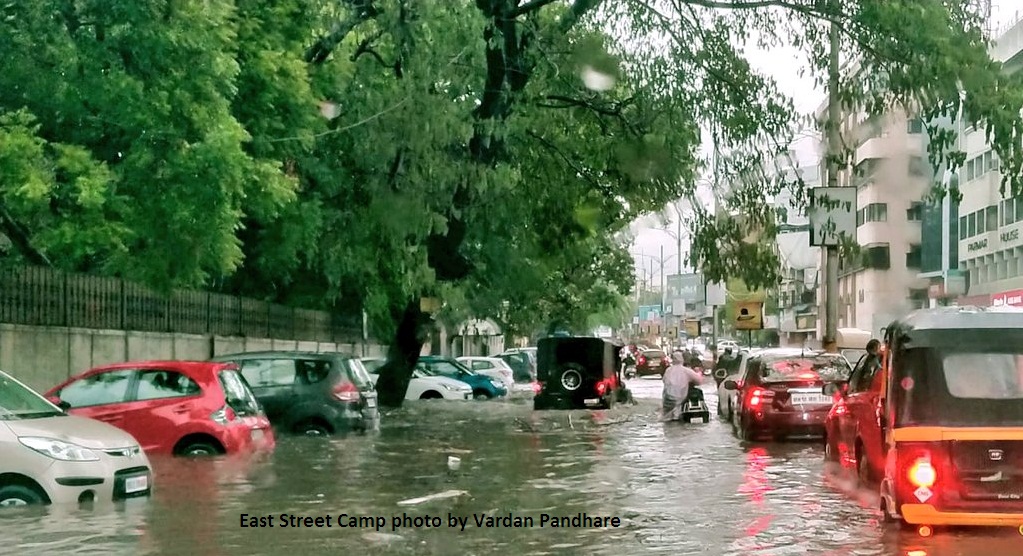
(677, 381)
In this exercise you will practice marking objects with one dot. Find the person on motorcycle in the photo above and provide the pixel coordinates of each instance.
(678, 379)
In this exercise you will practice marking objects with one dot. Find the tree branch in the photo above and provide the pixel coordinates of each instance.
(364, 48)
(322, 49)
(21, 239)
(531, 6)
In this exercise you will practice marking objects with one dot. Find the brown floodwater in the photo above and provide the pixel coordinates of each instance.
(674, 489)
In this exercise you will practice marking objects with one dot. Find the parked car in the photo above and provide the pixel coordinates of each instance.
(47, 456)
(424, 386)
(780, 395)
(308, 393)
(172, 407)
(494, 367)
(482, 387)
(523, 363)
(727, 399)
(652, 362)
(937, 431)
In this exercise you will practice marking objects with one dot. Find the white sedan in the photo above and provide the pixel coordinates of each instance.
(424, 386)
(493, 367)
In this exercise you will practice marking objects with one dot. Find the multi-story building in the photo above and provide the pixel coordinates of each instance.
(990, 239)
(797, 292)
(891, 175)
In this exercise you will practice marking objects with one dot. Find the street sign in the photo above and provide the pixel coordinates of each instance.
(716, 294)
(832, 214)
(687, 287)
(693, 328)
(749, 315)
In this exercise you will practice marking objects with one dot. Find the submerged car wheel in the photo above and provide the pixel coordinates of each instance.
(312, 428)
(480, 395)
(200, 449)
(571, 378)
(17, 495)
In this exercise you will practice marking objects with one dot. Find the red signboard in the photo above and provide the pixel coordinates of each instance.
(1011, 298)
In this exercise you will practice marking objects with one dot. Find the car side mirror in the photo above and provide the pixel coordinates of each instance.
(832, 388)
(731, 385)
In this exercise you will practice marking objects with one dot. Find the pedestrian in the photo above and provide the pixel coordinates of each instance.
(873, 355)
(677, 380)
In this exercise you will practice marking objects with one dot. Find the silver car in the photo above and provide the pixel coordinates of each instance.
(48, 456)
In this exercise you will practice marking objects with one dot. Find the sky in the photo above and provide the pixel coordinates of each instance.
(783, 64)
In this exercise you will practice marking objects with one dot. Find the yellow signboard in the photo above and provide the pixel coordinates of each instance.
(749, 315)
(693, 328)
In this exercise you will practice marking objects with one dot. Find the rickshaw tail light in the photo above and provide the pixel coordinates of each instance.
(922, 474)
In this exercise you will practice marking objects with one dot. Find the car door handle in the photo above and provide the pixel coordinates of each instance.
(180, 410)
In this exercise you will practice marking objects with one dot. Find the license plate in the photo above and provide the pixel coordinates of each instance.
(136, 484)
(468, 395)
(810, 399)
(655, 361)
(592, 401)
(371, 402)
(256, 434)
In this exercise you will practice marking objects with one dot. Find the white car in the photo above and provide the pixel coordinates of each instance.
(424, 386)
(493, 367)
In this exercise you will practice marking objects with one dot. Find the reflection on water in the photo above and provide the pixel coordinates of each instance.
(679, 489)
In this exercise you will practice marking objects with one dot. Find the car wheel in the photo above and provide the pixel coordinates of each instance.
(199, 449)
(746, 432)
(431, 395)
(480, 395)
(312, 428)
(571, 378)
(17, 495)
(706, 416)
(830, 451)
(863, 473)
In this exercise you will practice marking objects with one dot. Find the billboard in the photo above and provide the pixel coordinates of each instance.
(686, 287)
(649, 312)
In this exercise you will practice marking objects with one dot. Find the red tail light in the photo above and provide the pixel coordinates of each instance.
(601, 388)
(757, 395)
(346, 392)
(641, 360)
(537, 387)
(922, 474)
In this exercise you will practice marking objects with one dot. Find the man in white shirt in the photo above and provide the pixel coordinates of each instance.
(677, 381)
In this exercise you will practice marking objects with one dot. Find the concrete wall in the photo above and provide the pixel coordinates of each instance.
(42, 357)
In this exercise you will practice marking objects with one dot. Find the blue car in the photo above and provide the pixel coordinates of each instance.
(483, 387)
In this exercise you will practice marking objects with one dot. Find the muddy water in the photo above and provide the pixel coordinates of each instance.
(675, 489)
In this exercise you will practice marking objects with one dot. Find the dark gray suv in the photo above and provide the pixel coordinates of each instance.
(310, 393)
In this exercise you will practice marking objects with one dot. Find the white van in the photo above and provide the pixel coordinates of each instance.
(48, 456)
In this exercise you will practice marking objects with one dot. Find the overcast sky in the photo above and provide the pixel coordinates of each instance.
(650, 240)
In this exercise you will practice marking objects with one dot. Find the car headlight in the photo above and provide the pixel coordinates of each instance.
(448, 387)
(497, 384)
(58, 449)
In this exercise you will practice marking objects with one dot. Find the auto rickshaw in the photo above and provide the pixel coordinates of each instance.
(579, 373)
(944, 442)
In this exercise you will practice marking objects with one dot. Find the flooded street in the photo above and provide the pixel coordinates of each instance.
(676, 489)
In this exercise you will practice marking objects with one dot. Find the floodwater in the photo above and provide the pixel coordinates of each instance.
(675, 489)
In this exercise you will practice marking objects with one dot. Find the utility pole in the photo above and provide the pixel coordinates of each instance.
(664, 293)
(833, 151)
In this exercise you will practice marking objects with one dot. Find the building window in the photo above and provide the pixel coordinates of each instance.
(917, 166)
(913, 258)
(915, 125)
(981, 222)
(971, 169)
(874, 212)
(1019, 209)
(1008, 211)
(915, 212)
(962, 227)
(971, 224)
(992, 217)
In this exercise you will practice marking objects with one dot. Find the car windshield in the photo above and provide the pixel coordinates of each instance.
(19, 402)
(444, 367)
(237, 393)
(828, 368)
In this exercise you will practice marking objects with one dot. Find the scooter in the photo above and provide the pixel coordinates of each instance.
(695, 406)
(630, 371)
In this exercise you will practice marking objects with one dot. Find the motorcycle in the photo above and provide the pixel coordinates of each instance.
(630, 371)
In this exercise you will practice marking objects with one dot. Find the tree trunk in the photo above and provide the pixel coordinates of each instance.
(402, 356)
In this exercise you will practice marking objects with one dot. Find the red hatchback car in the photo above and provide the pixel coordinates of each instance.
(781, 395)
(172, 407)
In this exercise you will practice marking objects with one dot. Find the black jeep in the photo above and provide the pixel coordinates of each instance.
(579, 373)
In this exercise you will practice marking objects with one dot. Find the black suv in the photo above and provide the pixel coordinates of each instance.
(310, 393)
(578, 373)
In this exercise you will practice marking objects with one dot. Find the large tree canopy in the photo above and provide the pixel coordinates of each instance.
(361, 154)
